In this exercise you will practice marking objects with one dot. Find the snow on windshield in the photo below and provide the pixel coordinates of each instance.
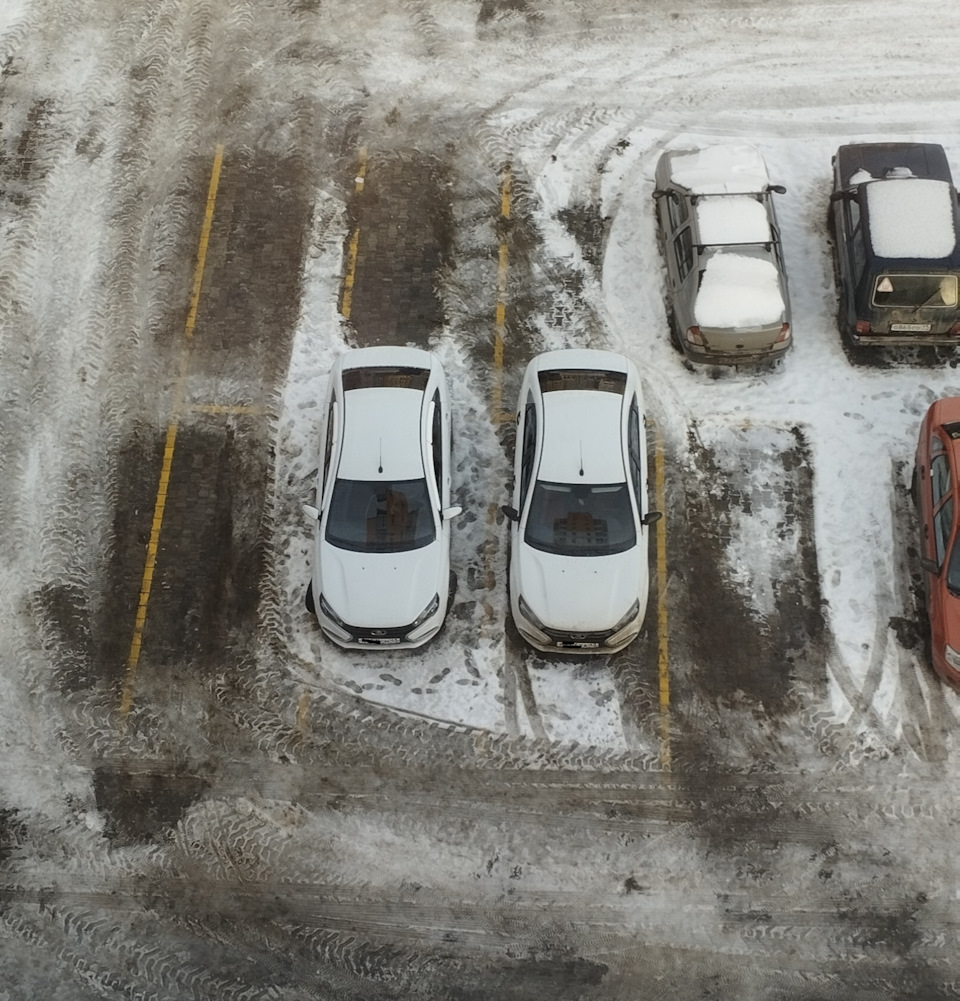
(738, 291)
(911, 218)
(725, 169)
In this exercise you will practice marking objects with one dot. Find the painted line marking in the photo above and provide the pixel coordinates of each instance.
(146, 584)
(663, 644)
(346, 299)
(225, 408)
(303, 712)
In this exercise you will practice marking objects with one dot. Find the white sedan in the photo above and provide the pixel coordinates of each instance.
(381, 570)
(578, 556)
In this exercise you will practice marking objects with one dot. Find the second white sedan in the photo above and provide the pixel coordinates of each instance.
(578, 573)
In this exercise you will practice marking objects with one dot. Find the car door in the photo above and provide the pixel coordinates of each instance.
(937, 524)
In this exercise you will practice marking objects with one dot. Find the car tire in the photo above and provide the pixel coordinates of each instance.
(451, 589)
(308, 600)
(914, 487)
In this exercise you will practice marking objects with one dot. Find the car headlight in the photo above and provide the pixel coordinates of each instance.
(629, 617)
(426, 613)
(527, 613)
(330, 613)
(952, 657)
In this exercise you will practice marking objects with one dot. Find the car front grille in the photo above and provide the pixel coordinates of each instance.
(562, 637)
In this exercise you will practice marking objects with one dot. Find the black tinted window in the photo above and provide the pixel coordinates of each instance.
(528, 446)
(580, 519)
(380, 517)
(683, 248)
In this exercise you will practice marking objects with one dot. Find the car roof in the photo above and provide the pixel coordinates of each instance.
(381, 434)
(732, 219)
(878, 159)
(582, 431)
(726, 168)
(911, 217)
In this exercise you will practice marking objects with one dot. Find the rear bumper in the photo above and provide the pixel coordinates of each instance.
(711, 356)
(900, 340)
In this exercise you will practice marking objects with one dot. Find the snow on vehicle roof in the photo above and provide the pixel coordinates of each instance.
(582, 426)
(725, 169)
(911, 218)
(737, 292)
(732, 219)
(381, 427)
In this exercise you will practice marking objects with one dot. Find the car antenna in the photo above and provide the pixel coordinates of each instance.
(380, 470)
(581, 457)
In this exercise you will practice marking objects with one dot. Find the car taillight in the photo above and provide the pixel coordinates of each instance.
(784, 334)
(954, 331)
(694, 336)
(862, 327)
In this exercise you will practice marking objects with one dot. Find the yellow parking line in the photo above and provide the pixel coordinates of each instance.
(303, 712)
(146, 584)
(225, 408)
(663, 647)
(346, 300)
(204, 241)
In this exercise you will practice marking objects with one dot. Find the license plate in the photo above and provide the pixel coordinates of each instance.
(386, 641)
(911, 328)
(579, 646)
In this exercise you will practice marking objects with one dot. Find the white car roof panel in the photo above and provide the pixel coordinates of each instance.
(381, 426)
(582, 425)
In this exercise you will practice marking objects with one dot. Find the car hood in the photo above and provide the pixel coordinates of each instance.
(381, 590)
(581, 593)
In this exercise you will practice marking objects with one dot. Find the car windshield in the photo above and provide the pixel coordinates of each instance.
(581, 519)
(915, 291)
(379, 516)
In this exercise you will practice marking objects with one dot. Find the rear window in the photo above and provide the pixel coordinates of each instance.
(386, 377)
(589, 379)
(915, 291)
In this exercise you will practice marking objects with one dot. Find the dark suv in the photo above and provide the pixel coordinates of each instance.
(893, 214)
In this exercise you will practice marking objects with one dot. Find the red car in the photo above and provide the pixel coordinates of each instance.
(936, 490)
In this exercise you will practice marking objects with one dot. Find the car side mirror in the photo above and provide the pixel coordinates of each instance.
(451, 512)
(651, 517)
(311, 512)
(840, 196)
(511, 512)
(929, 565)
(778, 189)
